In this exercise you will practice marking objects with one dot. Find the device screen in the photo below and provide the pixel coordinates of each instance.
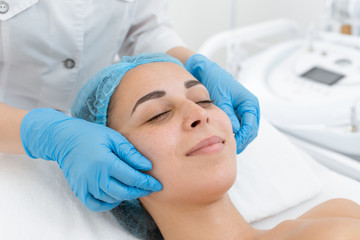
(322, 76)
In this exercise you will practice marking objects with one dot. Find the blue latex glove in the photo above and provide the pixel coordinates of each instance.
(236, 101)
(100, 165)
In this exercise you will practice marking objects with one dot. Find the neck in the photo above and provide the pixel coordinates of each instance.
(216, 220)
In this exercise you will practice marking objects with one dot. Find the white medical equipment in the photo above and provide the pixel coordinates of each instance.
(308, 87)
(37, 202)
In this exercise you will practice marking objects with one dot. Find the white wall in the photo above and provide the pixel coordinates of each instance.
(197, 20)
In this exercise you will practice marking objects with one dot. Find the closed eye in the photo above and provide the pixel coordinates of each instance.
(205, 103)
(157, 117)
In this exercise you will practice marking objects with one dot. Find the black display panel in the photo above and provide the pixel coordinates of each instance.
(322, 76)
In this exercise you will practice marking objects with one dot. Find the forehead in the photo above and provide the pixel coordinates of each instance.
(152, 76)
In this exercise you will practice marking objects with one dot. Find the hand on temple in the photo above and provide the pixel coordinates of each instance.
(100, 165)
(240, 105)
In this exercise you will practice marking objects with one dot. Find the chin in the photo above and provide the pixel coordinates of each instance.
(217, 175)
(214, 182)
(220, 183)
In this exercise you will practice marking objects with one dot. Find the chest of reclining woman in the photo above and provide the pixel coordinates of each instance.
(170, 118)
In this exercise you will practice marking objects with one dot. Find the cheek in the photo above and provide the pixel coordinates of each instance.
(222, 122)
(225, 121)
(158, 144)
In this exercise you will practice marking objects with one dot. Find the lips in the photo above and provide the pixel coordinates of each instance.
(209, 145)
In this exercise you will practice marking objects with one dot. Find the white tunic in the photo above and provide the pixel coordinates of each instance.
(49, 48)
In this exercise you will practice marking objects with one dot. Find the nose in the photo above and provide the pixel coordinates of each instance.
(194, 116)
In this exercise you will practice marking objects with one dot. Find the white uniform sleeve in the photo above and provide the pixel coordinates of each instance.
(151, 29)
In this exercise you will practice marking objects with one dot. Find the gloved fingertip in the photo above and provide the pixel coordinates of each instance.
(154, 185)
(239, 143)
(243, 138)
(240, 149)
(157, 187)
(143, 164)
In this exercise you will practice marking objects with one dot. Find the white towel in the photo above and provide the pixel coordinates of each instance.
(37, 203)
(272, 176)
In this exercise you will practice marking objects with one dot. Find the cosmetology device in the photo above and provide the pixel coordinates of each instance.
(311, 91)
(311, 88)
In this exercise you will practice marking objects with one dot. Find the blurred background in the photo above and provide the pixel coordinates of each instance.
(196, 21)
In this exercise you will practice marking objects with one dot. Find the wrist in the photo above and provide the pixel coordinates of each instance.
(36, 131)
(193, 61)
(181, 53)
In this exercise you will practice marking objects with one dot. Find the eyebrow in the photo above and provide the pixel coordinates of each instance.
(149, 96)
(191, 83)
(160, 93)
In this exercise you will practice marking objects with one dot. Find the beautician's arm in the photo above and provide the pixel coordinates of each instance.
(181, 53)
(10, 122)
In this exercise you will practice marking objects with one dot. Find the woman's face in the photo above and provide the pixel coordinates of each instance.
(167, 115)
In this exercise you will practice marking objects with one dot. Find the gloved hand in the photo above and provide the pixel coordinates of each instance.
(236, 101)
(100, 165)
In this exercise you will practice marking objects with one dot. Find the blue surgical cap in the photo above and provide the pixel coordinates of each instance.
(92, 101)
